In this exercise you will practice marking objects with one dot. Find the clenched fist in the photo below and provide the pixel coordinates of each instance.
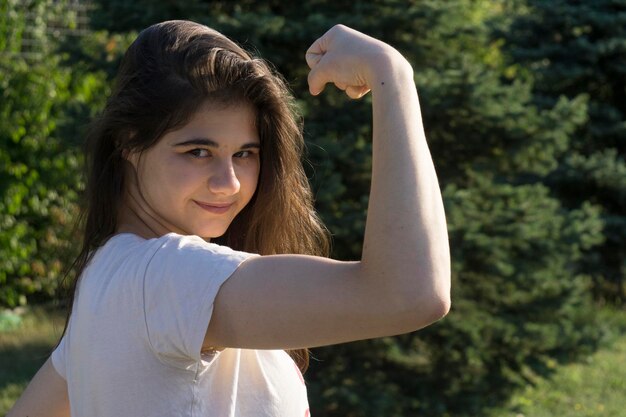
(351, 60)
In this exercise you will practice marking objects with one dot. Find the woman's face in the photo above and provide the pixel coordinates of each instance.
(196, 179)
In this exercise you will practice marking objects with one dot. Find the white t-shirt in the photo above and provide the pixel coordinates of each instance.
(132, 347)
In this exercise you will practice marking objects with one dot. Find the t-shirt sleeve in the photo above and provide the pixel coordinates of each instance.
(179, 288)
(58, 357)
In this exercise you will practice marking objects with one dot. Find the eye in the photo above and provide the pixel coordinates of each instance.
(199, 153)
(244, 154)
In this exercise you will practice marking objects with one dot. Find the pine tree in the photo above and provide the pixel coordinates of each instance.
(578, 49)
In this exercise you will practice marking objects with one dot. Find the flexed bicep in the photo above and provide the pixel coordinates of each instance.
(296, 301)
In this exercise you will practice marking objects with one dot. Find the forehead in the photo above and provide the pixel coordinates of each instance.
(224, 124)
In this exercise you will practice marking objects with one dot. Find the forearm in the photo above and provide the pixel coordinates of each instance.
(404, 273)
(405, 250)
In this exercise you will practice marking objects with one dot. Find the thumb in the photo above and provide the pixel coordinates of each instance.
(318, 76)
(316, 51)
(313, 58)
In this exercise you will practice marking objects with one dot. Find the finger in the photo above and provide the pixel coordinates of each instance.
(315, 55)
(317, 80)
(341, 86)
(356, 92)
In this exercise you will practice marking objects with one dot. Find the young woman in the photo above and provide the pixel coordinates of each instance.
(199, 144)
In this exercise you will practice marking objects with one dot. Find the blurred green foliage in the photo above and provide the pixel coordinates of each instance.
(40, 117)
(531, 202)
(578, 50)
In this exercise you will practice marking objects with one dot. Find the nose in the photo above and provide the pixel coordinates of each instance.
(223, 179)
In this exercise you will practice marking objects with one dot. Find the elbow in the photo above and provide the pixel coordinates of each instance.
(431, 305)
(441, 300)
(423, 314)
(440, 285)
(433, 310)
(420, 300)
(441, 306)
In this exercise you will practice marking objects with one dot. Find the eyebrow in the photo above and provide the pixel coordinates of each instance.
(213, 144)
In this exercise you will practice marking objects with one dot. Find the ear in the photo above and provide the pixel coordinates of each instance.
(128, 154)
(131, 156)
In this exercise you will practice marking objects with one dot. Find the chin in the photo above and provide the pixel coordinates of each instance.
(211, 234)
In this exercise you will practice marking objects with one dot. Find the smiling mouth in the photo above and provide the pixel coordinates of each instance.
(214, 208)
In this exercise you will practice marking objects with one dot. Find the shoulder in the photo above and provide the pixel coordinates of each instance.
(169, 255)
(187, 250)
(130, 252)
(192, 244)
(170, 243)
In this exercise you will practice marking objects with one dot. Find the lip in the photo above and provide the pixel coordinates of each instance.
(215, 208)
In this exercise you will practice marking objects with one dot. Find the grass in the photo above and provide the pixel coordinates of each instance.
(24, 350)
(594, 387)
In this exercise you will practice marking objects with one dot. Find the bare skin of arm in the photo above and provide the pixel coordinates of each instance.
(45, 396)
(402, 282)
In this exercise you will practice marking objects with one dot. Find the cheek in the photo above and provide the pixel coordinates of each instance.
(169, 182)
(252, 177)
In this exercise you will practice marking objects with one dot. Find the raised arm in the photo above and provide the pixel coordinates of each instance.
(402, 282)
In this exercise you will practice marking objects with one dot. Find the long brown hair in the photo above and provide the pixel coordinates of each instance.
(167, 73)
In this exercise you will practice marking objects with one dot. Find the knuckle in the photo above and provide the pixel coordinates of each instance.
(339, 28)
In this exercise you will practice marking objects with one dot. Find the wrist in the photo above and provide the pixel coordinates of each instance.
(391, 68)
